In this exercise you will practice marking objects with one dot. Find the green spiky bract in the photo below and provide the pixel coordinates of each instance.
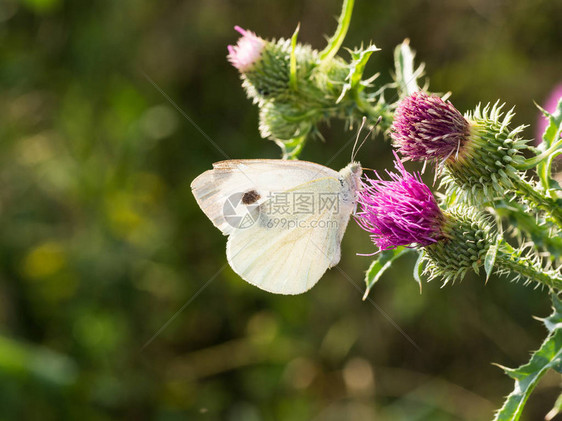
(486, 164)
(468, 234)
(269, 77)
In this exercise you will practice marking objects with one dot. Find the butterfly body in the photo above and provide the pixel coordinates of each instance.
(284, 219)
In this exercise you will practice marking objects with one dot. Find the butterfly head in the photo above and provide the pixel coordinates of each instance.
(351, 178)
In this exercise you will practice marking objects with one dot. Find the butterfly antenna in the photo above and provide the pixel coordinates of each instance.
(357, 138)
(366, 137)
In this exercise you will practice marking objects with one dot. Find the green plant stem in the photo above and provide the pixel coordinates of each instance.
(508, 260)
(542, 202)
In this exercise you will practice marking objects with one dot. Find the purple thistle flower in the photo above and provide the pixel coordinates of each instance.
(428, 128)
(550, 106)
(247, 51)
(399, 212)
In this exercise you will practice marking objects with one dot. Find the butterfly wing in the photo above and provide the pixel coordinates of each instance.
(213, 188)
(288, 252)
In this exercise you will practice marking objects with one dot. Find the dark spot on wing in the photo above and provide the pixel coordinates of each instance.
(250, 197)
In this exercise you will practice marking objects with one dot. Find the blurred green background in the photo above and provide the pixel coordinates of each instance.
(102, 245)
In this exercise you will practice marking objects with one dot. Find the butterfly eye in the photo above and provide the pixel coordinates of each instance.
(250, 197)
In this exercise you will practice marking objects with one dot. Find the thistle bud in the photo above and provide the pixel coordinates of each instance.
(247, 51)
(265, 65)
(480, 154)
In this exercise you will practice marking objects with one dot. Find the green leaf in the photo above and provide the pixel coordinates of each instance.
(335, 42)
(526, 377)
(292, 148)
(552, 132)
(540, 231)
(551, 143)
(406, 74)
(557, 306)
(490, 258)
(380, 265)
(552, 322)
(359, 59)
(293, 60)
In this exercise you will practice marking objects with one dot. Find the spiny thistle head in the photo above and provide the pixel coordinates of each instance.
(247, 51)
(427, 128)
(399, 212)
(467, 236)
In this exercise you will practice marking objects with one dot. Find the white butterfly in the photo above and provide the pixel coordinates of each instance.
(284, 219)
